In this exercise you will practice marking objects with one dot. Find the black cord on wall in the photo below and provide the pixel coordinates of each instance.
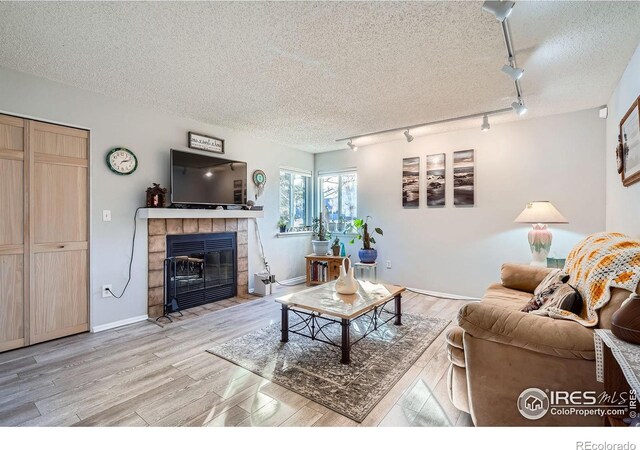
(133, 246)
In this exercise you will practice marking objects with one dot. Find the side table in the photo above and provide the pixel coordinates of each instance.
(371, 270)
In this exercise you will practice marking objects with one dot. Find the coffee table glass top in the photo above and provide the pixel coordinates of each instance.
(324, 299)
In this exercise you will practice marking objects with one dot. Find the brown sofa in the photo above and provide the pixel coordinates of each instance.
(496, 352)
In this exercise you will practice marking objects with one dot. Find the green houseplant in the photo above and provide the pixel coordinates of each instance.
(335, 247)
(320, 241)
(367, 254)
(282, 224)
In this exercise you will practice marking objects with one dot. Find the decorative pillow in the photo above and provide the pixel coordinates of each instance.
(545, 289)
(565, 297)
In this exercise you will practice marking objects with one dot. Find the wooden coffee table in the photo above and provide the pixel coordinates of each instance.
(321, 306)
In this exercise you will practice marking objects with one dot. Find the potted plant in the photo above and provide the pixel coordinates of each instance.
(321, 237)
(282, 224)
(335, 247)
(367, 254)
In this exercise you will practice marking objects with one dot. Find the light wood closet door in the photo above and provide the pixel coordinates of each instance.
(59, 229)
(12, 230)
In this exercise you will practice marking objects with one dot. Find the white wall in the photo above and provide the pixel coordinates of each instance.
(623, 212)
(150, 134)
(460, 250)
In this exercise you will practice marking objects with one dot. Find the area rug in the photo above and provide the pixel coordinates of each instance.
(313, 369)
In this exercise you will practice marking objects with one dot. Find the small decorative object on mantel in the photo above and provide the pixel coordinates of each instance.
(250, 204)
(203, 142)
(625, 323)
(630, 138)
(156, 196)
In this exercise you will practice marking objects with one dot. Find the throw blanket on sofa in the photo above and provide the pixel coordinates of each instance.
(598, 263)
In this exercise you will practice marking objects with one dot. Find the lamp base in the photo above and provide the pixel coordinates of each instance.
(540, 244)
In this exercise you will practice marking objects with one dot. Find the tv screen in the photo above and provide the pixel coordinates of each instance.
(198, 179)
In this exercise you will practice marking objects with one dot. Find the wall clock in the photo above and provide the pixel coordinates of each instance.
(259, 179)
(122, 161)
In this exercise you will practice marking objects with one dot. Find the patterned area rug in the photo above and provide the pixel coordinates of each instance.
(313, 369)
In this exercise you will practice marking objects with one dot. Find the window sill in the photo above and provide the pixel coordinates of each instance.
(294, 233)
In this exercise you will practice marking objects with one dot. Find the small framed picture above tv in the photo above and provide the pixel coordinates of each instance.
(199, 141)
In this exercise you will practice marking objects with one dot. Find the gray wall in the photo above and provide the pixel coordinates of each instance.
(623, 212)
(460, 250)
(150, 134)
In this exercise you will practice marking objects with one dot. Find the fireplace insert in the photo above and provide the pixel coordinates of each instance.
(199, 269)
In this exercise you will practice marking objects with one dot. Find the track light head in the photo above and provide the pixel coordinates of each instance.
(485, 123)
(408, 135)
(513, 72)
(500, 10)
(352, 146)
(519, 107)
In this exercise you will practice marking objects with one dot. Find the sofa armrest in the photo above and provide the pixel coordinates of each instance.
(522, 277)
(555, 337)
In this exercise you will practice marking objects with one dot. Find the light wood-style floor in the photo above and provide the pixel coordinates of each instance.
(143, 374)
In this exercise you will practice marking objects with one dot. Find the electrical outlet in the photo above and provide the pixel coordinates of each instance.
(106, 215)
(105, 292)
(388, 264)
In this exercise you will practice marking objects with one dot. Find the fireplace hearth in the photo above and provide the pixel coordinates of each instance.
(199, 269)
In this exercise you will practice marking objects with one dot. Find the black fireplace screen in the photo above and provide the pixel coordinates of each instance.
(199, 269)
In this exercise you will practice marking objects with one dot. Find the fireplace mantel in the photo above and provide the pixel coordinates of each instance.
(179, 213)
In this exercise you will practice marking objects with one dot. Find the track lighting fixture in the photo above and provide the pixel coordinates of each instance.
(499, 9)
(519, 107)
(408, 135)
(352, 146)
(485, 123)
(513, 72)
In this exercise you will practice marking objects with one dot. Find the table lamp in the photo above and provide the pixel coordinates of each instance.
(540, 213)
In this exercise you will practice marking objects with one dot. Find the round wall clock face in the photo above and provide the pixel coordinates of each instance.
(122, 161)
(259, 178)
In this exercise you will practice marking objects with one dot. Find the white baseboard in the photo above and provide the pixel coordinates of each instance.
(443, 295)
(119, 323)
(296, 280)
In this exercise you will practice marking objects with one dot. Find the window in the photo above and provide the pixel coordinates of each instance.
(295, 192)
(338, 200)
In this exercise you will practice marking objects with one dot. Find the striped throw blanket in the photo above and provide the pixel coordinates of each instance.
(597, 264)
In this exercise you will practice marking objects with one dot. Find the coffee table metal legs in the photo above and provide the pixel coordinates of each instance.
(284, 324)
(398, 300)
(346, 342)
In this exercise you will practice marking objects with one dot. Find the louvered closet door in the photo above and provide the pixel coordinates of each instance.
(59, 230)
(12, 242)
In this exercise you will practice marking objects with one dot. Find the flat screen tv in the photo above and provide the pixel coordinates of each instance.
(199, 179)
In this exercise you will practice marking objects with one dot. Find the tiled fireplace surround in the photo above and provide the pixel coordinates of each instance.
(159, 229)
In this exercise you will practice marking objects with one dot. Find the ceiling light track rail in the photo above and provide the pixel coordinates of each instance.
(501, 10)
(427, 124)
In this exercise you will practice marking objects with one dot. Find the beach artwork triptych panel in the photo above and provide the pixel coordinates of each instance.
(463, 180)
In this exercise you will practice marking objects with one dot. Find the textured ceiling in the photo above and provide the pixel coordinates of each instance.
(306, 73)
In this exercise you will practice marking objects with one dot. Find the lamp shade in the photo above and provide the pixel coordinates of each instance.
(540, 212)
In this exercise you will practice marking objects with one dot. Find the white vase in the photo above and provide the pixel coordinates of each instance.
(346, 282)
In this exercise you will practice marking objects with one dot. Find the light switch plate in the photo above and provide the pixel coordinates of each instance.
(106, 215)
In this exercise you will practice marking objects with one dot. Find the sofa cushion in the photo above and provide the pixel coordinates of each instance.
(503, 297)
(454, 337)
(562, 338)
(522, 277)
